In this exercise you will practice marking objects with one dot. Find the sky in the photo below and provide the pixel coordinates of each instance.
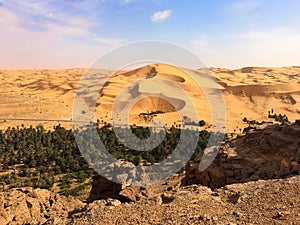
(55, 34)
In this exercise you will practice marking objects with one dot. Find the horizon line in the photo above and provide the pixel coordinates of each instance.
(87, 68)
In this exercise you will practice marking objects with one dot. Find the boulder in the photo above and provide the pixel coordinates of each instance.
(35, 206)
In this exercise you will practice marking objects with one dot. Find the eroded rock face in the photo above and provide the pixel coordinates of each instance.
(272, 152)
(118, 177)
(103, 189)
(35, 206)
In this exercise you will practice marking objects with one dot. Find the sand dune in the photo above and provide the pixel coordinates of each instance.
(262, 90)
(249, 92)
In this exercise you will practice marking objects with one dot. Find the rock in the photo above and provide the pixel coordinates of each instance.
(113, 202)
(281, 215)
(167, 198)
(295, 167)
(234, 198)
(35, 206)
(236, 213)
(264, 153)
(103, 189)
(284, 168)
(215, 194)
(214, 218)
(263, 202)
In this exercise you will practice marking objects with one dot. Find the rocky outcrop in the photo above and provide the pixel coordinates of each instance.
(103, 189)
(257, 202)
(272, 152)
(35, 206)
(118, 177)
(114, 179)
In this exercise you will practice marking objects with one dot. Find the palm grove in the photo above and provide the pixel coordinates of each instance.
(33, 156)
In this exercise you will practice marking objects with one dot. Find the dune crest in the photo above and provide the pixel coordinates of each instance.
(249, 92)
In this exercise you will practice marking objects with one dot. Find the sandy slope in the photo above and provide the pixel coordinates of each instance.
(249, 92)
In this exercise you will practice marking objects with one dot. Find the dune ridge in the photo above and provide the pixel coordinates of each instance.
(249, 92)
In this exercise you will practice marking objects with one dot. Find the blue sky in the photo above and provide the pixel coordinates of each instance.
(223, 33)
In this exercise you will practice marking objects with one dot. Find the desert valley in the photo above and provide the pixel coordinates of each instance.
(149, 112)
(253, 180)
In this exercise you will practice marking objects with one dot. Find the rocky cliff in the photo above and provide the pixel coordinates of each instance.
(268, 153)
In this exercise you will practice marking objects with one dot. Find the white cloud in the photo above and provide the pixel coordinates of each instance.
(128, 1)
(160, 16)
(201, 42)
(273, 47)
(29, 8)
(49, 17)
(58, 44)
(110, 41)
(244, 6)
(85, 4)
(275, 40)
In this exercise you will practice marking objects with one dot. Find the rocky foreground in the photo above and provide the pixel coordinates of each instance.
(257, 202)
(253, 180)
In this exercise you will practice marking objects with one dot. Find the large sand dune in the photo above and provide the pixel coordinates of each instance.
(249, 92)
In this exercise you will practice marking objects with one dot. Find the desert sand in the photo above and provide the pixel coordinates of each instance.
(248, 92)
